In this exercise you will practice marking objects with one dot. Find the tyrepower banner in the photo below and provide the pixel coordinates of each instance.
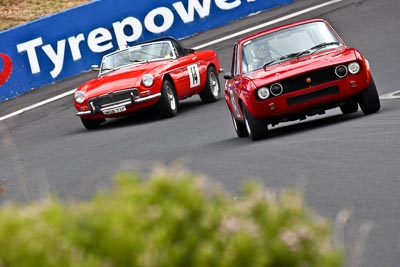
(67, 43)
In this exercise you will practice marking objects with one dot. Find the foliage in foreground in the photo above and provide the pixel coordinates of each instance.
(172, 218)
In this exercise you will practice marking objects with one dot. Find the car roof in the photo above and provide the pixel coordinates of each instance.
(281, 27)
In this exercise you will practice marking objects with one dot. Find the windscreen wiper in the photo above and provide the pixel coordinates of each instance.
(138, 61)
(289, 56)
(316, 48)
(268, 63)
(299, 54)
(282, 58)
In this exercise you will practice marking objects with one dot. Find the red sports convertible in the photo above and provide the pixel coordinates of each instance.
(293, 71)
(154, 73)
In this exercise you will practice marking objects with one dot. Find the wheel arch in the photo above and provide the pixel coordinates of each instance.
(240, 106)
(168, 77)
(235, 107)
(211, 64)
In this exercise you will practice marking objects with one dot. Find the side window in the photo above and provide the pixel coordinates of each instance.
(247, 57)
(241, 61)
(179, 49)
(166, 50)
(235, 68)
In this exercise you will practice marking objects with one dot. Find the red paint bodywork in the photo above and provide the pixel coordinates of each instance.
(240, 90)
(130, 77)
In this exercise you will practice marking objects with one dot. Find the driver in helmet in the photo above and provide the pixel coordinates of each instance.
(262, 55)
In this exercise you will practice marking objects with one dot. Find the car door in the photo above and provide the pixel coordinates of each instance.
(233, 86)
(191, 72)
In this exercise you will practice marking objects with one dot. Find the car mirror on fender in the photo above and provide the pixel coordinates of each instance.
(228, 76)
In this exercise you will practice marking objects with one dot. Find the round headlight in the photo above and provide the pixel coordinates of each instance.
(276, 89)
(354, 67)
(79, 97)
(341, 71)
(147, 80)
(263, 93)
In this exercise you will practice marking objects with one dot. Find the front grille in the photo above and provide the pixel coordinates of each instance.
(313, 95)
(112, 98)
(309, 79)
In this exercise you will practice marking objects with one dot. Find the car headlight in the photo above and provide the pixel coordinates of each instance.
(341, 71)
(263, 93)
(148, 80)
(79, 97)
(354, 67)
(276, 89)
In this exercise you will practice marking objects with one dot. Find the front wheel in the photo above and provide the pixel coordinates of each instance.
(257, 129)
(369, 99)
(91, 124)
(240, 128)
(211, 91)
(168, 103)
(349, 107)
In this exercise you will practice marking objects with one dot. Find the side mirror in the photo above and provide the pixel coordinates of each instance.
(228, 76)
(95, 67)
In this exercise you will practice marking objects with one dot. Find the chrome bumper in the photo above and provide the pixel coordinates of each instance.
(119, 104)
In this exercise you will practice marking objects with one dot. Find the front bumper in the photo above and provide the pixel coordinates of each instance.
(322, 95)
(105, 104)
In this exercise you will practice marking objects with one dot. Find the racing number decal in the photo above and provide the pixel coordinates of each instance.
(194, 75)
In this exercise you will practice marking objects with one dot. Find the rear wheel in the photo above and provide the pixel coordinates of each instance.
(240, 128)
(211, 91)
(168, 103)
(257, 129)
(369, 99)
(92, 123)
(349, 108)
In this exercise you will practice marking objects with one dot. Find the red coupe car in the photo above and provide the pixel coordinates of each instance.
(293, 71)
(157, 73)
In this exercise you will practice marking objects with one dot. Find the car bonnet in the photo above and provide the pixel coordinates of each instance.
(124, 78)
(293, 67)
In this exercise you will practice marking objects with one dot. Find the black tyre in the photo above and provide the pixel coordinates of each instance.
(256, 129)
(369, 99)
(168, 104)
(349, 108)
(91, 124)
(212, 91)
(240, 127)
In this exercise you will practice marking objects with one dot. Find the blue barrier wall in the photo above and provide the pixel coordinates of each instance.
(65, 44)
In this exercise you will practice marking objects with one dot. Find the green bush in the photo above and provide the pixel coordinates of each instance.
(171, 218)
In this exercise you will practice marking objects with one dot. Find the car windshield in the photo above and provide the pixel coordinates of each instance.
(286, 44)
(137, 55)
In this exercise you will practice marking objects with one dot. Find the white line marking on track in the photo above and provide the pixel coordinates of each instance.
(391, 95)
(44, 102)
(295, 14)
(269, 23)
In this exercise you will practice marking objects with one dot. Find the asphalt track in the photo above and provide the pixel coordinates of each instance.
(344, 164)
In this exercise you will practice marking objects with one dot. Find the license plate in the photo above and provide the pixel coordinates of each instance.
(114, 110)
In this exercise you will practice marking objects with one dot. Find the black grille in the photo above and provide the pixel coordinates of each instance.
(309, 79)
(112, 98)
(313, 95)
